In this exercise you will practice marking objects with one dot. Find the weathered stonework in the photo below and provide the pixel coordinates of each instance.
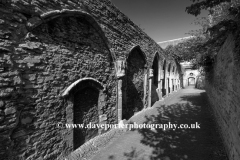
(224, 94)
(54, 56)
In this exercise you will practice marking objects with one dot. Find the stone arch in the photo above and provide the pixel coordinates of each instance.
(173, 77)
(134, 82)
(169, 68)
(48, 16)
(164, 72)
(156, 68)
(155, 95)
(191, 81)
(173, 69)
(84, 97)
(169, 77)
(138, 48)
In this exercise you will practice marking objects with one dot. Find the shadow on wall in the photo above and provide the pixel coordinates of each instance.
(133, 85)
(200, 83)
(85, 111)
(154, 94)
(191, 144)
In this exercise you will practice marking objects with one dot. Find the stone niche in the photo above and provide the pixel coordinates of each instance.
(133, 85)
(87, 100)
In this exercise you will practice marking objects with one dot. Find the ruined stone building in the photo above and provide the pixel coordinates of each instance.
(71, 61)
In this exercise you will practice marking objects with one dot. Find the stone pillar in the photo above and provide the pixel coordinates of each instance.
(150, 87)
(160, 89)
(145, 91)
(166, 84)
(173, 87)
(169, 85)
(179, 84)
(176, 84)
(120, 66)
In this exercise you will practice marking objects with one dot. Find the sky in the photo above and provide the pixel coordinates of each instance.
(162, 20)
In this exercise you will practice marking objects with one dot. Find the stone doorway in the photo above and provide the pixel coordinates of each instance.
(85, 112)
(85, 101)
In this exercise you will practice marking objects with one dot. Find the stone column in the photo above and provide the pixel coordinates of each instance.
(173, 85)
(163, 80)
(170, 83)
(150, 87)
(160, 89)
(145, 91)
(166, 84)
(179, 83)
(120, 66)
(176, 83)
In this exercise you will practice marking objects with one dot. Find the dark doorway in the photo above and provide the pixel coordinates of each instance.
(134, 86)
(173, 87)
(169, 80)
(85, 111)
(155, 67)
(164, 79)
(155, 70)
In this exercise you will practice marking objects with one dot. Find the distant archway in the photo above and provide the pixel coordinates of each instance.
(168, 79)
(191, 81)
(173, 78)
(164, 78)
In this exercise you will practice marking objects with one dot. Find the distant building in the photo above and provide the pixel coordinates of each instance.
(190, 75)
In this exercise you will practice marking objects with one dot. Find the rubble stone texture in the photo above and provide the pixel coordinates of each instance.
(223, 89)
(48, 45)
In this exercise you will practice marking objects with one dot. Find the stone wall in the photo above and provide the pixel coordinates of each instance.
(52, 53)
(223, 89)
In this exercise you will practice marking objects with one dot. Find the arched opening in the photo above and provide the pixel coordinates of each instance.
(173, 79)
(134, 83)
(164, 78)
(85, 95)
(191, 81)
(68, 13)
(155, 67)
(85, 112)
(168, 80)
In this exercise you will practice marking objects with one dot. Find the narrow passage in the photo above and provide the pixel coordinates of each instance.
(187, 106)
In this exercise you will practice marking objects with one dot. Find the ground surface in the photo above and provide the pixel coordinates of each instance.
(187, 106)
